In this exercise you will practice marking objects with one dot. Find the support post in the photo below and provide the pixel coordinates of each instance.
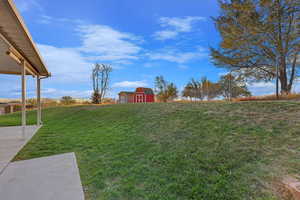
(38, 99)
(11, 109)
(23, 99)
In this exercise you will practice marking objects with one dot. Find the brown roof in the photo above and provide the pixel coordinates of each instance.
(126, 93)
(10, 104)
(145, 90)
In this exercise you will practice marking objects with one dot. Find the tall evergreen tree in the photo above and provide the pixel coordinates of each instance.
(257, 36)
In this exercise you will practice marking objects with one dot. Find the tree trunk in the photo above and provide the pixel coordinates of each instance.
(285, 89)
(292, 76)
(284, 84)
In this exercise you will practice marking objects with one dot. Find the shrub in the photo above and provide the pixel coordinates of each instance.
(67, 100)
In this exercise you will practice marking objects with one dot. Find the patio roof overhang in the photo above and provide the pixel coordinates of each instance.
(19, 55)
(17, 48)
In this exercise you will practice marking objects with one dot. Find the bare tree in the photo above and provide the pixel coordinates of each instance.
(101, 76)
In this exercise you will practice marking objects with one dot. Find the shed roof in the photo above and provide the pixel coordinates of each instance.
(145, 90)
(15, 39)
(126, 93)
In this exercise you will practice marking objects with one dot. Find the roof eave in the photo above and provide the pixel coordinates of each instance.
(44, 71)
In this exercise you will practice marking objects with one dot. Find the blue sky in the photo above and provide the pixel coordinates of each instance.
(139, 38)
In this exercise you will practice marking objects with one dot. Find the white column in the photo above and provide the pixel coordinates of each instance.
(23, 99)
(11, 109)
(38, 99)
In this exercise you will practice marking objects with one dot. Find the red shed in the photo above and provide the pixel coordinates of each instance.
(141, 95)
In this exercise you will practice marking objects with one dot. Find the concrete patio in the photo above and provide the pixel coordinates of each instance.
(54, 177)
(48, 178)
(12, 140)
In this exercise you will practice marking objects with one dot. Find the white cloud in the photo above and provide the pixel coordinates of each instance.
(262, 85)
(173, 55)
(66, 64)
(222, 73)
(261, 88)
(267, 88)
(148, 65)
(151, 64)
(181, 24)
(27, 5)
(54, 93)
(296, 86)
(46, 19)
(99, 43)
(130, 84)
(108, 44)
(70, 66)
(166, 34)
(11, 86)
(183, 67)
(57, 93)
(176, 25)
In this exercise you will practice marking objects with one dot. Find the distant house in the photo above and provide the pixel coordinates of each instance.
(6, 108)
(2, 109)
(126, 97)
(141, 95)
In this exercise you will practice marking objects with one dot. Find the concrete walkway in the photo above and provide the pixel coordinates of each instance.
(48, 178)
(12, 141)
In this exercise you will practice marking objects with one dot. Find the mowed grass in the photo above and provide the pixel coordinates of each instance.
(171, 151)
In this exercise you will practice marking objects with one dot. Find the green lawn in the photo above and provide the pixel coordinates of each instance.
(172, 151)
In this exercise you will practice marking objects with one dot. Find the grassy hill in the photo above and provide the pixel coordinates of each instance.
(171, 151)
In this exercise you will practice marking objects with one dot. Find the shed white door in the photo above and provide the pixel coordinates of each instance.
(139, 98)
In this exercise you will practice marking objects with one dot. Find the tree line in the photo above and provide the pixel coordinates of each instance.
(227, 87)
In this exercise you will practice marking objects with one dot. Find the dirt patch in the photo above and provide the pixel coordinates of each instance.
(288, 188)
